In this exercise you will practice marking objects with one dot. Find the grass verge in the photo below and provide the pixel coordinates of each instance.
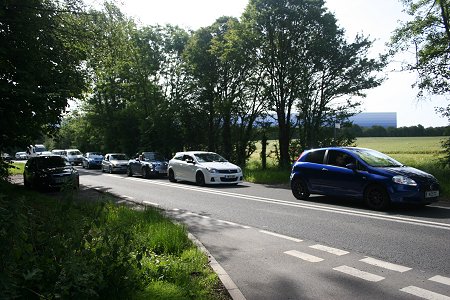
(62, 247)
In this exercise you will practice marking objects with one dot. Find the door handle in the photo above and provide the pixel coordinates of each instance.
(324, 169)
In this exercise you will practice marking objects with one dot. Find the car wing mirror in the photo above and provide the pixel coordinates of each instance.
(351, 166)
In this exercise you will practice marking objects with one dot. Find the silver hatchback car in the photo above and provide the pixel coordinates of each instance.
(115, 163)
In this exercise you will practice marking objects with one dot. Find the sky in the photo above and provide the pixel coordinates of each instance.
(376, 19)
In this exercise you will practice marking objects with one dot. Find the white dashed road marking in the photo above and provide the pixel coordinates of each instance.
(358, 273)
(304, 256)
(422, 293)
(331, 250)
(281, 236)
(385, 265)
(150, 203)
(440, 279)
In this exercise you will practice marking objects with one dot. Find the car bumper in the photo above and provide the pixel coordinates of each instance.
(414, 195)
(224, 179)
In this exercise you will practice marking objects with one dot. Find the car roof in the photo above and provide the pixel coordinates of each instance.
(194, 152)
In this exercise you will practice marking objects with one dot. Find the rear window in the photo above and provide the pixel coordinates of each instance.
(315, 156)
(51, 162)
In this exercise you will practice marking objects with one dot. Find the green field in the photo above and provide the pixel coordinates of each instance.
(419, 152)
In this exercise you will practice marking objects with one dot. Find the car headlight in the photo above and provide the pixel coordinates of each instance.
(239, 170)
(404, 180)
(212, 170)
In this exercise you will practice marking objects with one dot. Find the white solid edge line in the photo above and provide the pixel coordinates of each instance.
(358, 273)
(304, 256)
(440, 279)
(331, 250)
(281, 236)
(422, 293)
(231, 287)
(385, 264)
(150, 203)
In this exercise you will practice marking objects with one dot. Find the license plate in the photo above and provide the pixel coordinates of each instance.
(230, 176)
(61, 179)
(431, 194)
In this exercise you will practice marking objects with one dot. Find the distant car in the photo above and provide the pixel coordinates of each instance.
(148, 164)
(74, 156)
(49, 171)
(361, 173)
(6, 157)
(115, 162)
(203, 168)
(92, 160)
(59, 152)
(21, 155)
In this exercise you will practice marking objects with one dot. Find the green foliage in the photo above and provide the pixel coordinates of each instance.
(62, 248)
(307, 65)
(429, 33)
(39, 68)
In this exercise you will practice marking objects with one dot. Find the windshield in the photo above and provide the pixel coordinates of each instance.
(74, 152)
(118, 157)
(153, 156)
(376, 159)
(94, 154)
(51, 162)
(39, 149)
(209, 157)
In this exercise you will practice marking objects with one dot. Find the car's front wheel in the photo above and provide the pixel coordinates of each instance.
(129, 172)
(299, 189)
(376, 197)
(145, 172)
(200, 179)
(110, 170)
(172, 176)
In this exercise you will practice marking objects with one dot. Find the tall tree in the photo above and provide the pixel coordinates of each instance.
(307, 64)
(428, 33)
(39, 69)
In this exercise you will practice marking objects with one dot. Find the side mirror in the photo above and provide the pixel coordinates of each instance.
(351, 166)
(190, 161)
(136, 159)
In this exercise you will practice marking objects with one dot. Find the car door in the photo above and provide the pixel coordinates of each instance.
(105, 162)
(312, 171)
(340, 180)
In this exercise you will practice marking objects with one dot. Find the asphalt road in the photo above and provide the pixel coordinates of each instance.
(276, 247)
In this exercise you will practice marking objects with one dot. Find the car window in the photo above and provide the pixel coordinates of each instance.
(51, 162)
(376, 159)
(178, 157)
(339, 158)
(209, 157)
(153, 156)
(315, 156)
(119, 157)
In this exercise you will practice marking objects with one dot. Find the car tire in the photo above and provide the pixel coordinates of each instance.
(299, 189)
(200, 179)
(376, 197)
(172, 176)
(110, 170)
(145, 173)
(129, 172)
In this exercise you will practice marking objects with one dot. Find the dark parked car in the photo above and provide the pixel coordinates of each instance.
(148, 164)
(92, 160)
(361, 173)
(49, 171)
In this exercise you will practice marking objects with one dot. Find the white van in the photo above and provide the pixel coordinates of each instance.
(74, 156)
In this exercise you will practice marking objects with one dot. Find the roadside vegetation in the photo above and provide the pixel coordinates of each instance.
(64, 247)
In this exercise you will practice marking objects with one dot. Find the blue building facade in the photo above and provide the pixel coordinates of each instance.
(369, 119)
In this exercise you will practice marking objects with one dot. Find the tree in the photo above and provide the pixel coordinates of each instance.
(39, 69)
(307, 64)
(429, 34)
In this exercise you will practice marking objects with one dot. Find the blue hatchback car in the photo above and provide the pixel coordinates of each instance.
(361, 173)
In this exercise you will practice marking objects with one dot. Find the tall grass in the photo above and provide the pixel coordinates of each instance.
(61, 248)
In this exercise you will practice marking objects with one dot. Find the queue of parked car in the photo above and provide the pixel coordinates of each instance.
(349, 172)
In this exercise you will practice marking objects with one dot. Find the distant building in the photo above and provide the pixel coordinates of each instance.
(369, 119)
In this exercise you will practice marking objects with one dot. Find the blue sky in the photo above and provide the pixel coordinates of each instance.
(376, 19)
